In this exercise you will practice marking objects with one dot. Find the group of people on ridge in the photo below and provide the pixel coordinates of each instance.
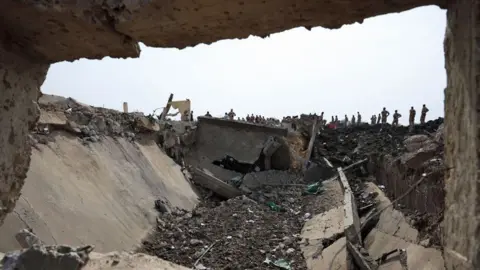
(382, 118)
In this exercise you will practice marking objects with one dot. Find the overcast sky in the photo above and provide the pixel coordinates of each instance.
(396, 61)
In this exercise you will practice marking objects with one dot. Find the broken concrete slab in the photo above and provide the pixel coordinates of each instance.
(415, 160)
(52, 118)
(68, 258)
(418, 257)
(324, 225)
(214, 184)
(391, 221)
(128, 261)
(319, 171)
(143, 123)
(119, 179)
(47, 257)
(351, 219)
(26, 238)
(394, 232)
(415, 142)
(333, 257)
(217, 138)
(359, 259)
(324, 229)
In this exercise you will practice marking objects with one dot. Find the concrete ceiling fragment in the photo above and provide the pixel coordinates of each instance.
(51, 31)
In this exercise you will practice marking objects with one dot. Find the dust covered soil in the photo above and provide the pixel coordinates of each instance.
(241, 233)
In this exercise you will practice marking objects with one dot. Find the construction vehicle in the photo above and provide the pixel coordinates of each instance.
(183, 107)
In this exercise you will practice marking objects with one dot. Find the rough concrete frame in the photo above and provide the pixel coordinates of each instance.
(351, 221)
(36, 33)
(461, 224)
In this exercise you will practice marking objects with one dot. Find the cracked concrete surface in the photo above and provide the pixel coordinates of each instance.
(394, 232)
(106, 190)
(19, 87)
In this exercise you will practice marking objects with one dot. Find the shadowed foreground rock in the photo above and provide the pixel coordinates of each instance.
(49, 31)
(47, 257)
(69, 258)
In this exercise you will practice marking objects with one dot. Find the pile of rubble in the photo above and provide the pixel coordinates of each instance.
(396, 160)
(343, 146)
(260, 226)
(90, 124)
(261, 231)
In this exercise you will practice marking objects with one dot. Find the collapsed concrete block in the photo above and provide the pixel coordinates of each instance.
(416, 159)
(52, 118)
(415, 142)
(214, 184)
(439, 134)
(144, 123)
(128, 261)
(351, 218)
(26, 238)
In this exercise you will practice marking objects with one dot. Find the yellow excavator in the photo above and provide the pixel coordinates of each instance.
(183, 107)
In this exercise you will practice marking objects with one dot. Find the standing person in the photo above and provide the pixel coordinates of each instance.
(191, 116)
(231, 114)
(346, 120)
(424, 114)
(333, 119)
(353, 120)
(336, 120)
(185, 116)
(359, 118)
(396, 115)
(379, 118)
(373, 119)
(385, 114)
(411, 119)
